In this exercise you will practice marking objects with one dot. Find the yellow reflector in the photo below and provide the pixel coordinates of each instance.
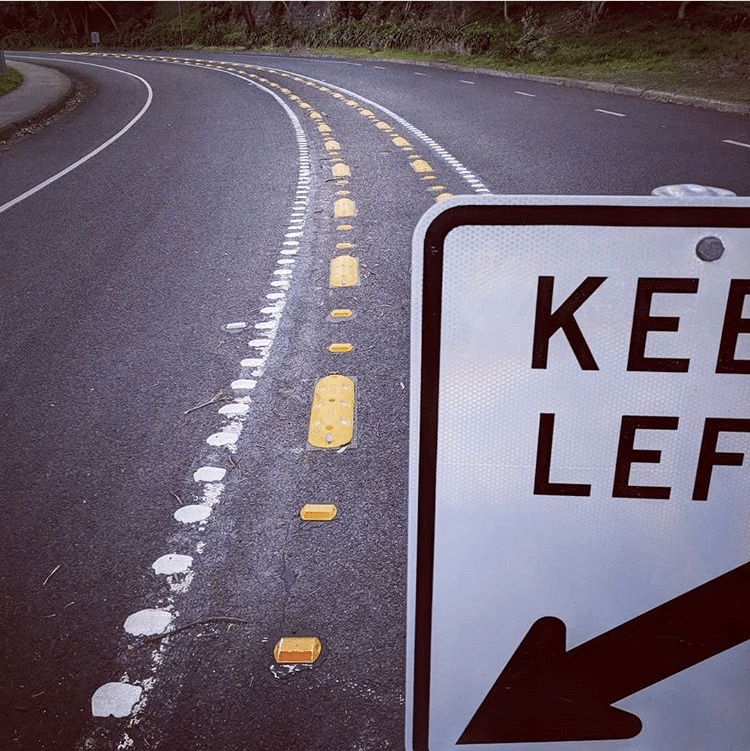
(324, 128)
(340, 170)
(305, 649)
(344, 272)
(332, 145)
(318, 512)
(332, 413)
(341, 313)
(443, 197)
(419, 165)
(344, 207)
(344, 246)
(339, 347)
(344, 227)
(315, 115)
(382, 126)
(365, 112)
(399, 141)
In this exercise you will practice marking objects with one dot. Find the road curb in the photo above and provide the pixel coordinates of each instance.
(656, 95)
(48, 108)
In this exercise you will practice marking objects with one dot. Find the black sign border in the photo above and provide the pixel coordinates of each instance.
(596, 215)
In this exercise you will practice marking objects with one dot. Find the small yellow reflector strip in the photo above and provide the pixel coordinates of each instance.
(344, 272)
(365, 112)
(437, 188)
(318, 512)
(294, 649)
(443, 197)
(341, 313)
(332, 413)
(340, 347)
(400, 141)
(380, 125)
(428, 177)
(332, 145)
(341, 170)
(343, 192)
(344, 207)
(324, 127)
(419, 165)
(344, 246)
(315, 115)
(344, 227)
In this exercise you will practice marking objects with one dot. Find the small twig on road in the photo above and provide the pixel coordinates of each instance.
(51, 574)
(219, 397)
(200, 622)
(179, 500)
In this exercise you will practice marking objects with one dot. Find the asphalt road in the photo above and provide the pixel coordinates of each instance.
(222, 204)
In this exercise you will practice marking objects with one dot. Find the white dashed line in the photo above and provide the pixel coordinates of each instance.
(129, 699)
(419, 74)
(524, 93)
(469, 82)
(609, 112)
(379, 67)
(736, 143)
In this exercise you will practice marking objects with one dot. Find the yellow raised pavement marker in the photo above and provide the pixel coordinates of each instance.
(341, 170)
(443, 197)
(344, 207)
(297, 649)
(400, 141)
(332, 145)
(324, 128)
(318, 512)
(332, 413)
(419, 165)
(340, 347)
(341, 313)
(344, 271)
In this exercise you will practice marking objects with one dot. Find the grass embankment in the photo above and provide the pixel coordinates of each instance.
(685, 60)
(10, 80)
(704, 54)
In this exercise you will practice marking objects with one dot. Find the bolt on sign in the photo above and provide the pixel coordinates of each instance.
(579, 483)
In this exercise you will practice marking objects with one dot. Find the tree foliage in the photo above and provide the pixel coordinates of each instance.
(519, 28)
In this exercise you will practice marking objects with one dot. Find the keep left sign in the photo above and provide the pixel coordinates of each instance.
(579, 482)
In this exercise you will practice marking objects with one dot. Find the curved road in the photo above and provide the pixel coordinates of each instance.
(131, 390)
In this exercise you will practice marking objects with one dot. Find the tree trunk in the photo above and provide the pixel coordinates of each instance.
(681, 10)
(112, 20)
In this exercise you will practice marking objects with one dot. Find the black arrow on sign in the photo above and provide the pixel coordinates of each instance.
(547, 694)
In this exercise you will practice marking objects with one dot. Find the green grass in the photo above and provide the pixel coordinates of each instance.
(10, 80)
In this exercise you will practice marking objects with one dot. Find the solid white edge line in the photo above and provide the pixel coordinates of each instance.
(93, 153)
(736, 143)
(524, 93)
(461, 80)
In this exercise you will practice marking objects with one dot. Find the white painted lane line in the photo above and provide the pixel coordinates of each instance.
(609, 112)
(379, 67)
(470, 82)
(93, 153)
(419, 74)
(736, 143)
(524, 93)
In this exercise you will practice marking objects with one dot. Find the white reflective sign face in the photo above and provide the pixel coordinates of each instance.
(586, 492)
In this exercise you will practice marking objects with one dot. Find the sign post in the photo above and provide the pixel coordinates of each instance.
(579, 479)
